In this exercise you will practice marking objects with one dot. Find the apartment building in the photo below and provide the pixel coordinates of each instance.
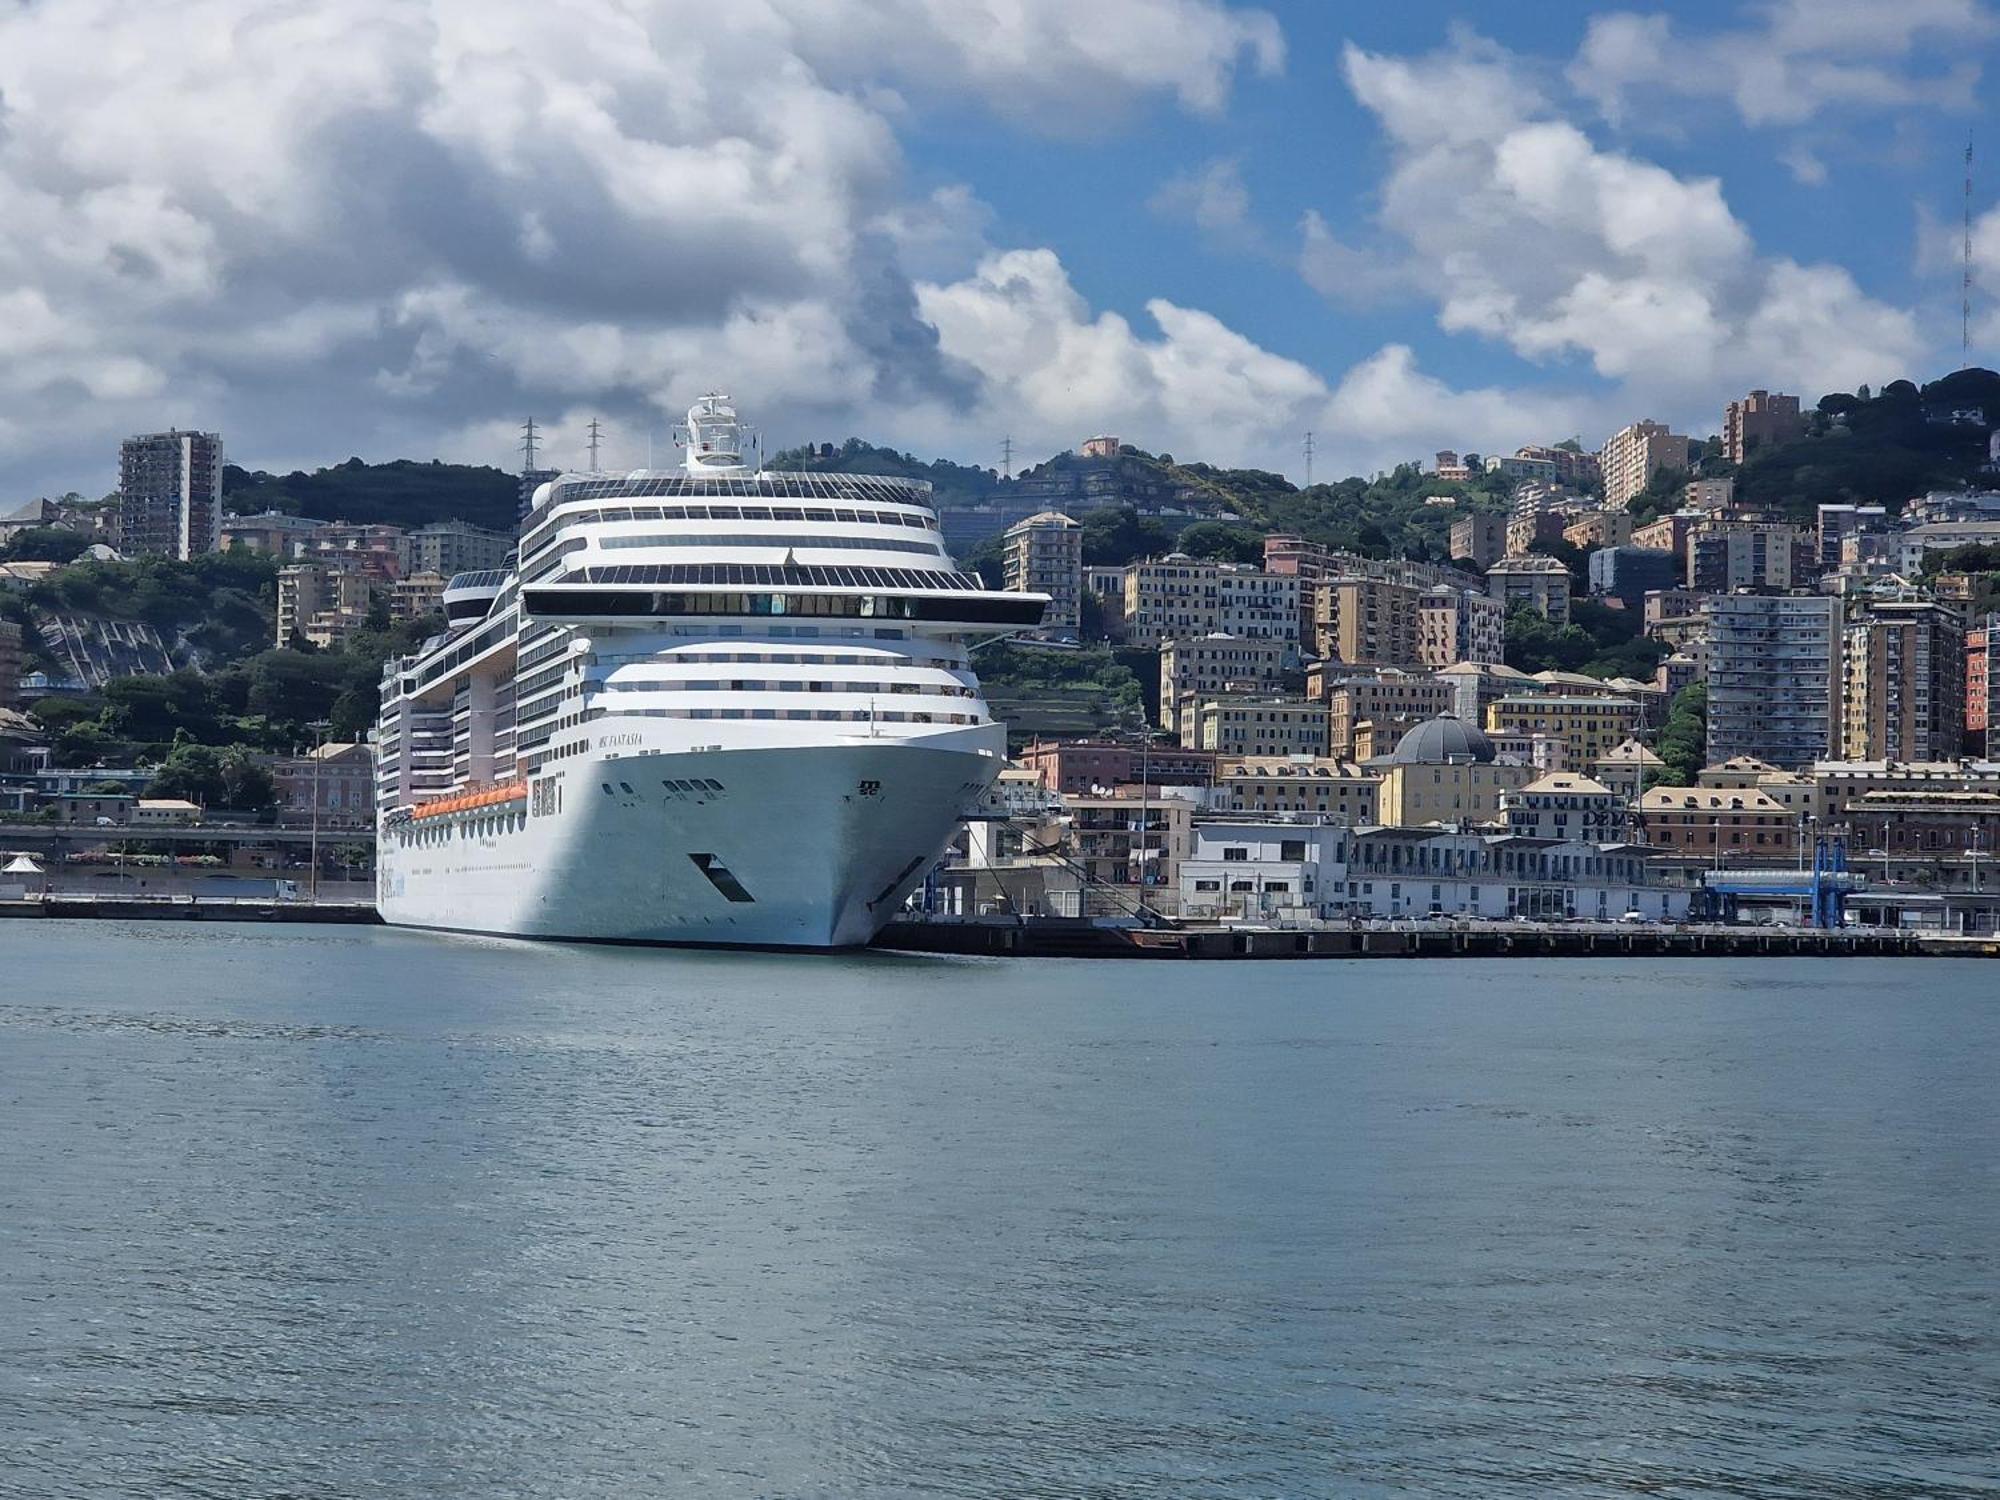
(322, 602)
(1231, 727)
(417, 596)
(1567, 805)
(1599, 528)
(1074, 767)
(1534, 530)
(1369, 620)
(1631, 454)
(1903, 682)
(1318, 785)
(170, 494)
(1773, 669)
(1730, 825)
(1588, 727)
(270, 532)
(1669, 533)
(1480, 539)
(1537, 583)
(1628, 574)
(1044, 555)
(1744, 555)
(1175, 596)
(1456, 625)
(1386, 703)
(448, 548)
(1762, 419)
(1709, 496)
(1837, 523)
(1573, 466)
(1208, 666)
(1982, 687)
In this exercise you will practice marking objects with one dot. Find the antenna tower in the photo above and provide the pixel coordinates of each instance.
(1309, 458)
(594, 432)
(1007, 457)
(1965, 284)
(529, 443)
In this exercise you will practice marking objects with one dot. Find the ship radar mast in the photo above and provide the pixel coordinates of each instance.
(714, 442)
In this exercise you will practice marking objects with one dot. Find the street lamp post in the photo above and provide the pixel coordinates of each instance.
(319, 728)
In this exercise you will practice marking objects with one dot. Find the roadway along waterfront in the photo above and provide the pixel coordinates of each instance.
(368, 1212)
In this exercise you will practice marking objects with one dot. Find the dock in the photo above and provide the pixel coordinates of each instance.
(1068, 937)
(1060, 937)
(188, 909)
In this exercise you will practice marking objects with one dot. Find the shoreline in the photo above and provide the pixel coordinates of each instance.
(1058, 937)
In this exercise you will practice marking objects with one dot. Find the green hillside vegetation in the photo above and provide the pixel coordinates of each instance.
(1870, 449)
(54, 544)
(213, 610)
(1599, 641)
(1381, 517)
(266, 702)
(1683, 742)
(952, 484)
(400, 493)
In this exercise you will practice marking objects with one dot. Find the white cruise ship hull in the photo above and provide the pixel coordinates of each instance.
(811, 846)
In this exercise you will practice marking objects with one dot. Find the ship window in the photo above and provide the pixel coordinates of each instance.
(607, 787)
(626, 787)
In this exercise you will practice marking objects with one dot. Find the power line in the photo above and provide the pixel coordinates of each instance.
(594, 430)
(1007, 457)
(1309, 458)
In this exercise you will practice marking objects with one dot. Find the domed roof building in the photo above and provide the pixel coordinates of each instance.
(1444, 740)
(1446, 771)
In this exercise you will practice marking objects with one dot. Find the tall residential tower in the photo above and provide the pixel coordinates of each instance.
(170, 494)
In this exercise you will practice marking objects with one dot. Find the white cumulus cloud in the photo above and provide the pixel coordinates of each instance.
(1529, 234)
(355, 227)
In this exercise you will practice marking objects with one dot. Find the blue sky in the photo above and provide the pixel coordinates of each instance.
(398, 227)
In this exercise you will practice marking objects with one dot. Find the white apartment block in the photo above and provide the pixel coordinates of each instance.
(1044, 555)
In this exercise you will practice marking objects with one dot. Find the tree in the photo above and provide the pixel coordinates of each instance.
(1221, 540)
(247, 784)
(1683, 742)
(53, 544)
(1115, 535)
(191, 773)
(228, 778)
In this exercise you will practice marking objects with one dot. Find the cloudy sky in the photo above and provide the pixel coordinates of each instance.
(394, 228)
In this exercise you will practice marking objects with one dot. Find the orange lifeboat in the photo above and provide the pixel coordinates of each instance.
(472, 799)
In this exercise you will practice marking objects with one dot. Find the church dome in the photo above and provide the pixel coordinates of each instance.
(1436, 741)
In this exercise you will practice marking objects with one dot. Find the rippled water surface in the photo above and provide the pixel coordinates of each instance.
(324, 1213)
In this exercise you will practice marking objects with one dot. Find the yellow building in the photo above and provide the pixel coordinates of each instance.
(1297, 784)
(1370, 620)
(1444, 771)
(1589, 728)
(1261, 726)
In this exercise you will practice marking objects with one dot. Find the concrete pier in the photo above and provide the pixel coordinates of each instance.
(187, 909)
(1054, 937)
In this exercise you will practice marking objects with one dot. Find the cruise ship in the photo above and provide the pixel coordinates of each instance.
(711, 705)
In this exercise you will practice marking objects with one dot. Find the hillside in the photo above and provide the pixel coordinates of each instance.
(403, 492)
(1886, 447)
(1137, 503)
